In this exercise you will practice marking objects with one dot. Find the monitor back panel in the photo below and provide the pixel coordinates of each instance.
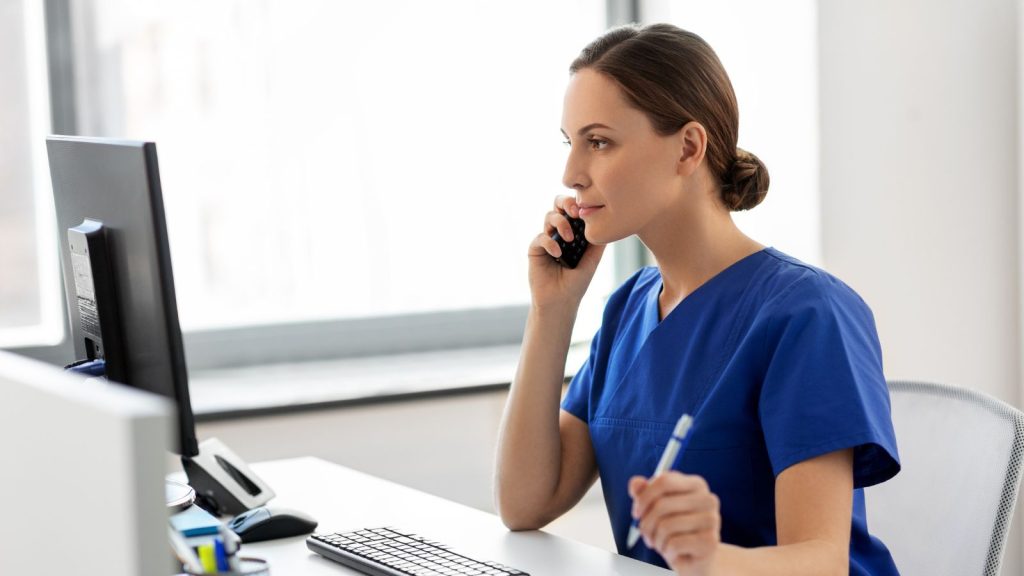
(117, 182)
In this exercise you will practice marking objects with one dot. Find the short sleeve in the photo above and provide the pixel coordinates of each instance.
(577, 397)
(824, 389)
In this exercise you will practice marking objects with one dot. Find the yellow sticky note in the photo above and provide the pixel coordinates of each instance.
(207, 558)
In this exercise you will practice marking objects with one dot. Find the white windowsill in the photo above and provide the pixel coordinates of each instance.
(278, 387)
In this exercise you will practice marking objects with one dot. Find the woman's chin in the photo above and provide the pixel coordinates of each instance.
(602, 237)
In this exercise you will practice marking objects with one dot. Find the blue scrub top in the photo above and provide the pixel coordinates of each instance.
(777, 361)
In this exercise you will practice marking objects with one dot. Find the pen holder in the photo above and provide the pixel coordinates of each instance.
(247, 567)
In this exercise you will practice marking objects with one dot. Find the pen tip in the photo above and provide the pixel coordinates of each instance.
(634, 535)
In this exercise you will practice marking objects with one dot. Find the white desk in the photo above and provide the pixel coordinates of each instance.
(343, 499)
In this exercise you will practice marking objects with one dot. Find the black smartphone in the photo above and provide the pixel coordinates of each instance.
(573, 251)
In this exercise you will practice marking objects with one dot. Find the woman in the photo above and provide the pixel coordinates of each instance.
(778, 362)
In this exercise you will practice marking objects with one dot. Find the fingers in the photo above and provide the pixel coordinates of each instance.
(555, 220)
(567, 205)
(687, 549)
(679, 515)
(636, 485)
(662, 484)
(545, 244)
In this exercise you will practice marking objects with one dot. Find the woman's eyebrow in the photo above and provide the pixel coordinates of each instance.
(588, 128)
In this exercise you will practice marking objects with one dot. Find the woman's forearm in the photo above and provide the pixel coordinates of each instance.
(809, 558)
(529, 448)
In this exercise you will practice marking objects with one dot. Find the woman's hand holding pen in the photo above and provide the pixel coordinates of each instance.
(679, 518)
(550, 282)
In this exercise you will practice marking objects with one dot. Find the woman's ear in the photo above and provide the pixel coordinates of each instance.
(693, 144)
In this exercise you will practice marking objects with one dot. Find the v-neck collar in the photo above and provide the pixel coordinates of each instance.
(652, 316)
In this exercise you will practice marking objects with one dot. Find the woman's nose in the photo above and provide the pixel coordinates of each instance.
(575, 175)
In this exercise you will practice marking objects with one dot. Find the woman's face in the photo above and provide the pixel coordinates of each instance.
(624, 173)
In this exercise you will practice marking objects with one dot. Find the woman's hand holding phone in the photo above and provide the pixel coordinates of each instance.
(551, 282)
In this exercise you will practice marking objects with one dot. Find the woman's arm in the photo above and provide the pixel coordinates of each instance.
(545, 459)
(813, 509)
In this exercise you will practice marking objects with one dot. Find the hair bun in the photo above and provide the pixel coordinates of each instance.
(745, 184)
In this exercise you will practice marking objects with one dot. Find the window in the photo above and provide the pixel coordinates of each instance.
(30, 303)
(338, 160)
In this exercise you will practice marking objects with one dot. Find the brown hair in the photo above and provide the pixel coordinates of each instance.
(674, 77)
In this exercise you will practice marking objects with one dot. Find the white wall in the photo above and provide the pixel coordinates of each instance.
(919, 181)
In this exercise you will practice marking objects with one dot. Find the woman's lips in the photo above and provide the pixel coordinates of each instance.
(586, 210)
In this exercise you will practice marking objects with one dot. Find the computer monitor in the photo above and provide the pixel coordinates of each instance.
(117, 184)
(83, 480)
(116, 264)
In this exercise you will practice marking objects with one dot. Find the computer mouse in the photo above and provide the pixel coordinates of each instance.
(265, 523)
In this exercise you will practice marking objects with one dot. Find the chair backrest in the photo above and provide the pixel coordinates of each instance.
(948, 511)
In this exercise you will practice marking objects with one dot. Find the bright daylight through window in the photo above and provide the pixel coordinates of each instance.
(325, 159)
(30, 305)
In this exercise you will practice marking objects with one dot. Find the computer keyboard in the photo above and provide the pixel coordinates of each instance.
(388, 552)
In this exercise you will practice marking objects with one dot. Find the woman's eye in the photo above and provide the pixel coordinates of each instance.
(598, 144)
(566, 142)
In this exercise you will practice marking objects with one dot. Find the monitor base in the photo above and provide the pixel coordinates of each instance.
(224, 483)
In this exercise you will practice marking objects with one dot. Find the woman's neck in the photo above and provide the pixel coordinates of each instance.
(691, 245)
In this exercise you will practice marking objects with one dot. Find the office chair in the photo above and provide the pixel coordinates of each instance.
(948, 511)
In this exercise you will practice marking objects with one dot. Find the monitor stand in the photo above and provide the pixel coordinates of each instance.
(223, 482)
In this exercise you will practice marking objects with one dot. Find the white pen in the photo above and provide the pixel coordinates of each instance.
(668, 458)
(184, 552)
